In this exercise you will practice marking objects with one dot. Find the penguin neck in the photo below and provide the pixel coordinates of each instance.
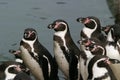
(64, 36)
(29, 41)
(89, 31)
(31, 44)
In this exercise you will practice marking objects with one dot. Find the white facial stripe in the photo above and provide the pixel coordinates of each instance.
(97, 71)
(9, 76)
(62, 34)
(89, 31)
(49, 67)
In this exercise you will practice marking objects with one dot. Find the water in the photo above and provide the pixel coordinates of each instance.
(16, 15)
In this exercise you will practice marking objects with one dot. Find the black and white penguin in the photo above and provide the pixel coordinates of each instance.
(91, 29)
(14, 72)
(99, 69)
(36, 57)
(65, 50)
(112, 45)
(8, 71)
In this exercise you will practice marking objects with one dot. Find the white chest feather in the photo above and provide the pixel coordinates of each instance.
(31, 64)
(112, 52)
(61, 60)
(31, 43)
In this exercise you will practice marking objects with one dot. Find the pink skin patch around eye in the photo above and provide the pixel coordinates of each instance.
(57, 24)
(30, 33)
(87, 21)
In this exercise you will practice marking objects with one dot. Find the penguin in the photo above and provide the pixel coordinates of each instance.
(14, 72)
(7, 70)
(99, 69)
(112, 45)
(91, 29)
(36, 57)
(65, 50)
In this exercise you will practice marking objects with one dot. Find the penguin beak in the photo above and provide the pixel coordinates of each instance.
(83, 20)
(51, 26)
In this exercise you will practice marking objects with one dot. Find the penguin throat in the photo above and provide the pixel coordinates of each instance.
(31, 44)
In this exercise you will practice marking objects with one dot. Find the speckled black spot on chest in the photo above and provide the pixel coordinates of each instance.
(60, 27)
(90, 25)
(58, 39)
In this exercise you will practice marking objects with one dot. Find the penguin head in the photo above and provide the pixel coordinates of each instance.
(11, 72)
(90, 22)
(30, 34)
(11, 69)
(58, 25)
(93, 46)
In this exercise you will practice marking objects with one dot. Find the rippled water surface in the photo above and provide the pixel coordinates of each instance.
(16, 15)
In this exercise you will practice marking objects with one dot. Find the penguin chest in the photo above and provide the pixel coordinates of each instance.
(97, 72)
(61, 59)
(112, 52)
(32, 64)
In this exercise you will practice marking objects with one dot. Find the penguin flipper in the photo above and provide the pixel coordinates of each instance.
(44, 64)
(73, 71)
